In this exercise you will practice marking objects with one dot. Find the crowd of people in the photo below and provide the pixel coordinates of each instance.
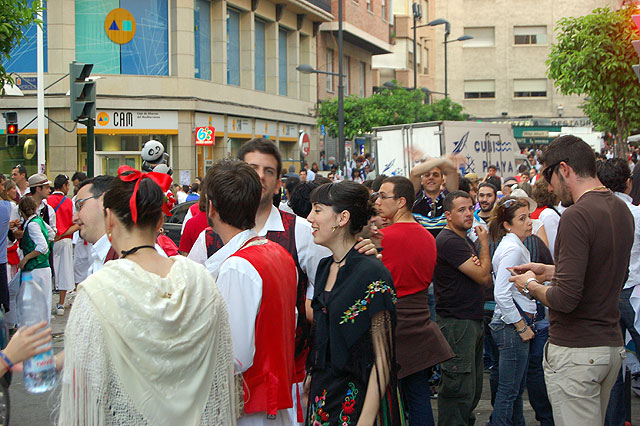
(326, 297)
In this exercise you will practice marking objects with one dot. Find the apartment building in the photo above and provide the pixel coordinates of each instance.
(168, 67)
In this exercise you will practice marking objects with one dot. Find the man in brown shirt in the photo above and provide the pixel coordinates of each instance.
(595, 235)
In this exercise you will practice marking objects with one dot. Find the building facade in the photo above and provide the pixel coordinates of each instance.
(168, 68)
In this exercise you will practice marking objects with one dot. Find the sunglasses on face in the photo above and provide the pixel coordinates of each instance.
(548, 172)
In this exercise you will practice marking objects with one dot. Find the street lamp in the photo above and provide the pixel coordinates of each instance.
(308, 69)
(447, 31)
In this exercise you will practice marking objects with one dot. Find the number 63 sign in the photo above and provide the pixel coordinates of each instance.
(206, 136)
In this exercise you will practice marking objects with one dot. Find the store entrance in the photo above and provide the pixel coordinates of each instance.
(108, 164)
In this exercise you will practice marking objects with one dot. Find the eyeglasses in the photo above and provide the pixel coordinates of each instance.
(384, 197)
(547, 173)
(80, 202)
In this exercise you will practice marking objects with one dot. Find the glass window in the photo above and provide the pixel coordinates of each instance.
(369, 5)
(329, 67)
(533, 88)
(363, 79)
(202, 39)
(425, 61)
(23, 57)
(477, 89)
(259, 49)
(530, 35)
(144, 21)
(482, 37)
(282, 61)
(233, 47)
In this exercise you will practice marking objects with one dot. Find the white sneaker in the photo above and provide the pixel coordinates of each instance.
(59, 310)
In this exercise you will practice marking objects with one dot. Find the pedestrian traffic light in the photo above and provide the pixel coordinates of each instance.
(82, 91)
(636, 45)
(11, 118)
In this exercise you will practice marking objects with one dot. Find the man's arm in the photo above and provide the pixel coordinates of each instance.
(443, 163)
(481, 274)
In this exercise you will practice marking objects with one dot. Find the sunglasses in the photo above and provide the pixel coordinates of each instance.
(548, 172)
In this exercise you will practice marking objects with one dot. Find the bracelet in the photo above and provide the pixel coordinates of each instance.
(6, 360)
(523, 329)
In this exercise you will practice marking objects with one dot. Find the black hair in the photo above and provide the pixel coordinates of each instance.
(21, 169)
(504, 213)
(449, 199)
(464, 184)
(321, 180)
(614, 174)
(402, 187)
(291, 183)
(60, 181)
(79, 176)
(495, 181)
(185, 188)
(493, 167)
(488, 185)
(299, 198)
(264, 146)
(149, 200)
(234, 190)
(346, 195)
(368, 183)
(575, 152)
(377, 182)
(99, 184)
(195, 187)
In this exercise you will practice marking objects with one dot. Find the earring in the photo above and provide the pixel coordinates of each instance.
(109, 236)
(333, 228)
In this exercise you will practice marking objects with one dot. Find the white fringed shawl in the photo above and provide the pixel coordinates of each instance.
(141, 349)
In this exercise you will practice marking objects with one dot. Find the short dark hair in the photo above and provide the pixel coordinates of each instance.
(300, 196)
(377, 182)
(21, 169)
(99, 184)
(291, 183)
(495, 181)
(79, 176)
(264, 146)
(464, 184)
(614, 173)
(575, 152)
(321, 180)
(488, 185)
(195, 187)
(60, 181)
(234, 190)
(448, 200)
(346, 195)
(149, 200)
(402, 187)
(493, 167)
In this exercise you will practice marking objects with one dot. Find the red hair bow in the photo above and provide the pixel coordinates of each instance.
(163, 181)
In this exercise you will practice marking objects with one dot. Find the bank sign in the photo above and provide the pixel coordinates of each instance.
(482, 145)
(135, 120)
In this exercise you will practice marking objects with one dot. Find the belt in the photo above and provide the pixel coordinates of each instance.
(530, 316)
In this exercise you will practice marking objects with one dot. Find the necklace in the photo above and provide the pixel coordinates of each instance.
(338, 262)
(595, 188)
(125, 253)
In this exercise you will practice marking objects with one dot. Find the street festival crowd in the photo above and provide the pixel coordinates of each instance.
(307, 298)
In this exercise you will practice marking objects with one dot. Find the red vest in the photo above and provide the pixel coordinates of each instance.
(268, 381)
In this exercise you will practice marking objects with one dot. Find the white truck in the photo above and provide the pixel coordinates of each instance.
(481, 144)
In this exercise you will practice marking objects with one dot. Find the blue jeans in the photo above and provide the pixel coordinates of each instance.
(512, 371)
(536, 387)
(417, 397)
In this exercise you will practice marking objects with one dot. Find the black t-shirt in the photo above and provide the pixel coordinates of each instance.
(457, 295)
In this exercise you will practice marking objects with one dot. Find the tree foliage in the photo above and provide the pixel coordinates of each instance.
(592, 57)
(391, 106)
(15, 16)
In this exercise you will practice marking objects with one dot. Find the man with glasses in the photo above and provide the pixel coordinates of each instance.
(419, 342)
(19, 176)
(595, 235)
(63, 247)
(427, 179)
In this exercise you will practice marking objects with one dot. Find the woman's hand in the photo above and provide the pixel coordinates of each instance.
(22, 263)
(527, 335)
(28, 341)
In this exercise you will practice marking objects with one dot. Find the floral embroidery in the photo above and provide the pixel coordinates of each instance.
(349, 405)
(361, 305)
(319, 417)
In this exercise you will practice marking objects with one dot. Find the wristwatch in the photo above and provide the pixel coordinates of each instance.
(526, 291)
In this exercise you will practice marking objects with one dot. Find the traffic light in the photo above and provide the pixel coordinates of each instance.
(82, 91)
(636, 45)
(11, 118)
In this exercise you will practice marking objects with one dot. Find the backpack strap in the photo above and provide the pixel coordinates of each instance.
(59, 204)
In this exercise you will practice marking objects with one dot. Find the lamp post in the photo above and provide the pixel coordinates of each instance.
(447, 31)
(417, 14)
(308, 69)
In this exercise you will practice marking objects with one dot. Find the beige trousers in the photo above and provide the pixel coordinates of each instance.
(579, 382)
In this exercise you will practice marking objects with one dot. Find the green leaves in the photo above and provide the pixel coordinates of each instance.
(391, 106)
(15, 17)
(592, 57)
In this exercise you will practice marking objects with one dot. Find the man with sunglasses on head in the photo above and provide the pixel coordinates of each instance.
(19, 176)
(595, 235)
(427, 179)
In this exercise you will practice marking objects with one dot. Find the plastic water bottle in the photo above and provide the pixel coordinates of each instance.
(40, 370)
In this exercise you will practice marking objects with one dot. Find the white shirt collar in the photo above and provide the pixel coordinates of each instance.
(214, 263)
(624, 197)
(273, 223)
(101, 248)
(515, 239)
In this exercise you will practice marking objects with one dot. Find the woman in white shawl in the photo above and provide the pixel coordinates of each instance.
(148, 340)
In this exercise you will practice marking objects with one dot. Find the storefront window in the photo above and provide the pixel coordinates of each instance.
(137, 39)
(25, 153)
(202, 39)
(114, 150)
(23, 56)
